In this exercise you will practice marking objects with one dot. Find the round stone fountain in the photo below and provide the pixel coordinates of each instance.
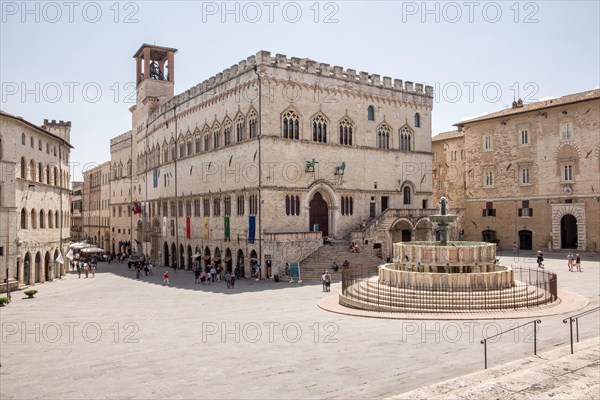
(446, 276)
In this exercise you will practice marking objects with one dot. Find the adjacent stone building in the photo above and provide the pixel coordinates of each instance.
(96, 207)
(34, 199)
(76, 211)
(260, 161)
(532, 174)
(449, 160)
(122, 185)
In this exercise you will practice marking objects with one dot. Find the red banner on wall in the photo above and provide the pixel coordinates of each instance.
(188, 228)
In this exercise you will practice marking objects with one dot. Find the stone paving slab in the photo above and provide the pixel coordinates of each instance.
(154, 341)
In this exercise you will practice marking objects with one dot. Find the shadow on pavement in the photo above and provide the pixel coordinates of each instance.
(184, 279)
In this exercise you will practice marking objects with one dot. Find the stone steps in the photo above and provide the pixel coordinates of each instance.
(312, 267)
(555, 374)
(368, 295)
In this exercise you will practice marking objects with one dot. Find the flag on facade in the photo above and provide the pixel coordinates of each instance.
(70, 254)
(59, 259)
(251, 228)
(206, 233)
(188, 227)
(136, 208)
(155, 177)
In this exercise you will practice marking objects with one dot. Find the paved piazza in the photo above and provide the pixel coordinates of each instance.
(115, 337)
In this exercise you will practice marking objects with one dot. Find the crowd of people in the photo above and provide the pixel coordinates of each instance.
(85, 265)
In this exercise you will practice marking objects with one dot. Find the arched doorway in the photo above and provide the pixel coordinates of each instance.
(206, 258)
(140, 237)
(227, 260)
(154, 239)
(525, 240)
(240, 263)
(38, 267)
(181, 264)
(173, 255)
(253, 260)
(568, 232)
(319, 214)
(217, 257)
(47, 268)
(166, 257)
(402, 231)
(423, 230)
(27, 269)
(58, 271)
(189, 257)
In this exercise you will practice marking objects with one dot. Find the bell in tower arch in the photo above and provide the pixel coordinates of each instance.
(155, 72)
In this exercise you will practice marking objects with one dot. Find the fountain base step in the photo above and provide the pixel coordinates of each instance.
(375, 296)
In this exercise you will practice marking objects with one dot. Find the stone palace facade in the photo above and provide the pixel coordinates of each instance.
(262, 160)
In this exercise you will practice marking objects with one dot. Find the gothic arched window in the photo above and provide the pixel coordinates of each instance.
(319, 129)
(291, 125)
(405, 139)
(383, 137)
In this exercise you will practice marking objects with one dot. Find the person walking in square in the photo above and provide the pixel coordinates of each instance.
(570, 261)
(196, 276)
(540, 259)
(166, 278)
(323, 280)
(228, 279)
(232, 283)
(578, 262)
(213, 273)
(327, 279)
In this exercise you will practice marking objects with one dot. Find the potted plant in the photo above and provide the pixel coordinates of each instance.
(30, 293)
(3, 301)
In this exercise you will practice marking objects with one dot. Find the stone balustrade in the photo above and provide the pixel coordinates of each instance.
(501, 278)
(416, 255)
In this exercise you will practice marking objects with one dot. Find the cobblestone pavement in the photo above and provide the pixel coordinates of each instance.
(116, 337)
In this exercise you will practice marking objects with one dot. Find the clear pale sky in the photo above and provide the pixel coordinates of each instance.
(73, 60)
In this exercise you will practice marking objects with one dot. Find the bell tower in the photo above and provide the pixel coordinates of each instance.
(154, 78)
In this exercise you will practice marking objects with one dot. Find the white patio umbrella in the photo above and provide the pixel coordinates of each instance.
(79, 245)
(92, 250)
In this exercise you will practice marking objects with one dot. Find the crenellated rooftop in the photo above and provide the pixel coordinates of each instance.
(305, 65)
(120, 138)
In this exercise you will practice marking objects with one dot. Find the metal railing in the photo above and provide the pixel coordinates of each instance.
(533, 287)
(576, 319)
(535, 324)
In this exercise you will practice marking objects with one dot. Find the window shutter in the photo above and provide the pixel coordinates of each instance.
(483, 214)
(531, 212)
(493, 212)
(520, 212)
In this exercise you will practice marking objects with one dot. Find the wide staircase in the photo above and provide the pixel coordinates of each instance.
(312, 267)
(555, 374)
